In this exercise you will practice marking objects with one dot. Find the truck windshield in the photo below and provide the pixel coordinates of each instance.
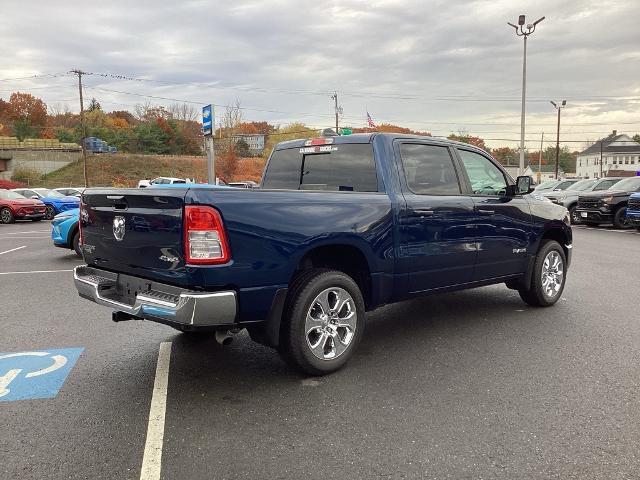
(342, 167)
(627, 185)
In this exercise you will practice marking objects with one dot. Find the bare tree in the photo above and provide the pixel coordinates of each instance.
(183, 112)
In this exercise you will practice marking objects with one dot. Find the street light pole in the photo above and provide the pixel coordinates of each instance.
(522, 31)
(558, 106)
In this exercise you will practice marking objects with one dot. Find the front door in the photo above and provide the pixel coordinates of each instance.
(436, 226)
(503, 223)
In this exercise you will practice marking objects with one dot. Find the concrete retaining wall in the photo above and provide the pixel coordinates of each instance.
(42, 160)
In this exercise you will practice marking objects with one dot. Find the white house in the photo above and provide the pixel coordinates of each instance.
(255, 141)
(620, 153)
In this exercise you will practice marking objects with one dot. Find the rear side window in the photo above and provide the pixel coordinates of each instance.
(342, 167)
(429, 169)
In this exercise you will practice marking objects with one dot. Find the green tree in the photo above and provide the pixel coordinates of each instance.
(566, 158)
(22, 129)
(65, 135)
(151, 138)
(636, 137)
(242, 148)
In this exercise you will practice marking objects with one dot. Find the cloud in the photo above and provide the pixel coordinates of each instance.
(432, 65)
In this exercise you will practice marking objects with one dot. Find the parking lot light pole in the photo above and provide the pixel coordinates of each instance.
(558, 106)
(522, 31)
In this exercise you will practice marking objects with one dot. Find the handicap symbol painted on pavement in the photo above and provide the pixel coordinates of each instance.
(37, 374)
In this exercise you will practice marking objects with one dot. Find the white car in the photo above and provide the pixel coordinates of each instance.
(162, 181)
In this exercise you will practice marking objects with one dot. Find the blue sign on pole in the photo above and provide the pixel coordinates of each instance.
(207, 120)
(35, 374)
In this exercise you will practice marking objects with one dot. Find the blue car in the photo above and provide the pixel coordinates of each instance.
(65, 233)
(54, 201)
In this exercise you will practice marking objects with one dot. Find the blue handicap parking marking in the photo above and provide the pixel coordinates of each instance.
(35, 374)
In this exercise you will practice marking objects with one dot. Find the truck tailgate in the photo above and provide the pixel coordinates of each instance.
(137, 231)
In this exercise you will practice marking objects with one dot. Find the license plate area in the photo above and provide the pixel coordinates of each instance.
(584, 214)
(129, 287)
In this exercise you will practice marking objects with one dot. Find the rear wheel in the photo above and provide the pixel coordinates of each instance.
(619, 219)
(6, 216)
(49, 213)
(323, 321)
(549, 276)
(76, 244)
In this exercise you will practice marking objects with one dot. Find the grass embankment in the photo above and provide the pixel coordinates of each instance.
(125, 170)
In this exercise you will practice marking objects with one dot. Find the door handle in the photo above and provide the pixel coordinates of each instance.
(486, 212)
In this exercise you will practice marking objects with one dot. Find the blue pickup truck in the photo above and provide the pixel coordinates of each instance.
(338, 227)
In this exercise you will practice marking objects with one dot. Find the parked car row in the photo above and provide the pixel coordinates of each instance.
(594, 201)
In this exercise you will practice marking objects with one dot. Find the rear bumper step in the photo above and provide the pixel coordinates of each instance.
(157, 302)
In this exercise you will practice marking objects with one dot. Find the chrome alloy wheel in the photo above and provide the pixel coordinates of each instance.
(5, 215)
(331, 323)
(552, 274)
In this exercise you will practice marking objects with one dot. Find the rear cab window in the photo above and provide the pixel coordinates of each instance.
(343, 167)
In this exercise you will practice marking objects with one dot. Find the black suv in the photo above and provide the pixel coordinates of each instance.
(608, 206)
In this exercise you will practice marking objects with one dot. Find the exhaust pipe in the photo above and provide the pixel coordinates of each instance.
(224, 337)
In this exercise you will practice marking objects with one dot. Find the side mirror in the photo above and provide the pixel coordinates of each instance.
(523, 185)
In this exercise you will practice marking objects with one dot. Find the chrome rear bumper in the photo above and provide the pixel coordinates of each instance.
(155, 301)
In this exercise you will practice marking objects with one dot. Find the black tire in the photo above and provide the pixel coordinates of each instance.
(6, 215)
(536, 295)
(302, 300)
(49, 212)
(619, 220)
(75, 243)
(574, 215)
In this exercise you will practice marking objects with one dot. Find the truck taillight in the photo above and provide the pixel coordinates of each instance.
(205, 240)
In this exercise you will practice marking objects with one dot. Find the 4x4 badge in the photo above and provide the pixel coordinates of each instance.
(118, 228)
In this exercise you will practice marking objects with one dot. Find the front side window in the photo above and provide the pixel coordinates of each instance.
(342, 167)
(485, 177)
(429, 169)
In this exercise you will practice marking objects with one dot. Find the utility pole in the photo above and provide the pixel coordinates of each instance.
(601, 168)
(558, 106)
(334, 97)
(523, 32)
(83, 127)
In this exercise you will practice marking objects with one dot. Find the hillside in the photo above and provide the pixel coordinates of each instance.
(127, 169)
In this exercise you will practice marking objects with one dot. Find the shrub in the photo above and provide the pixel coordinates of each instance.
(26, 175)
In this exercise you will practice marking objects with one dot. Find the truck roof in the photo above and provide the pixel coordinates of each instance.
(368, 138)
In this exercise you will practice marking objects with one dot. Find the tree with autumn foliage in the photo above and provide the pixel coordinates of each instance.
(470, 139)
(27, 113)
(390, 128)
(506, 155)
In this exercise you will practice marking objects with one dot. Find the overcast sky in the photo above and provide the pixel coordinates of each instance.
(439, 66)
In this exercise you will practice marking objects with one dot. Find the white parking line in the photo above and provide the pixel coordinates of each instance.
(152, 459)
(35, 271)
(29, 237)
(580, 227)
(30, 231)
(13, 249)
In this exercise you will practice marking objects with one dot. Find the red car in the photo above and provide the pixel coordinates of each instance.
(14, 206)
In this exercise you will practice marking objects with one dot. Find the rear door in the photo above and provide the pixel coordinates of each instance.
(437, 239)
(137, 231)
(503, 223)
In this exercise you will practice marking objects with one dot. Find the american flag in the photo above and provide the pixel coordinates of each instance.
(370, 122)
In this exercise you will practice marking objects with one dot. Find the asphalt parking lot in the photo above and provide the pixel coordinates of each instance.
(472, 384)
